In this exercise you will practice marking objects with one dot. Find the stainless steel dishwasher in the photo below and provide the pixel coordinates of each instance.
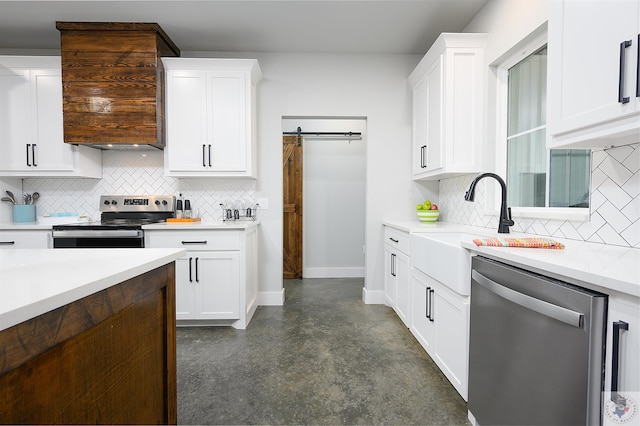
(536, 349)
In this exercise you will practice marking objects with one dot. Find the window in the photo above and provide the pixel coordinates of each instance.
(537, 177)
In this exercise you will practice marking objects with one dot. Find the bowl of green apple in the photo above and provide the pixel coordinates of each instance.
(427, 211)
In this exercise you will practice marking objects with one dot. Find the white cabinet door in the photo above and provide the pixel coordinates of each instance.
(422, 326)
(584, 73)
(447, 108)
(227, 121)
(27, 239)
(31, 126)
(185, 288)
(186, 121)
(389, 276)
(451, 316)
(210, 117)
(402, 287)
(15, 113)
(51, 152)
(208, 286)
(626, 310)
(218, 282)
(440, 322)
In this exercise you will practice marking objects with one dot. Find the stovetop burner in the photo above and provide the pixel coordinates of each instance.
(128, 212)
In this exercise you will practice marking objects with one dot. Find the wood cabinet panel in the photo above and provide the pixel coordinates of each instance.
(107, 358)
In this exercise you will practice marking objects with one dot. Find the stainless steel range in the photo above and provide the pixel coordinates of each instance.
(120, 225)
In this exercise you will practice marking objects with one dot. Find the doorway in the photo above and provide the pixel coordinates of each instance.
(324, 210)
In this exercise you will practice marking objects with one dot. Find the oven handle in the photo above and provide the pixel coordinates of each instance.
(545, 308)
(116, 233)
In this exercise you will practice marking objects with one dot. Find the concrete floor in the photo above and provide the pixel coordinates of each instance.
(323, 358)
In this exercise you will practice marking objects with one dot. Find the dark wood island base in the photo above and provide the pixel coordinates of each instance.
(108, 358)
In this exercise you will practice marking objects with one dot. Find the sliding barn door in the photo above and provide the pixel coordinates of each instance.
(292, 207)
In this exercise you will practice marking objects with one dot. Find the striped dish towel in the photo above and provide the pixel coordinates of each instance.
(547, 243)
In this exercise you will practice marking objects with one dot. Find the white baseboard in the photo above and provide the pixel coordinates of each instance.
(373, 297)
(271, 298)
(348, 272)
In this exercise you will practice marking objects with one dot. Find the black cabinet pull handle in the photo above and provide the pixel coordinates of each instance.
(623, 49)
(638, 70)
(209, 155)
(432, 292)
(204, 164)
(28, 163)
(393, 265)
(618, 326)
(423, 155)
(427, 304)
(197, 277)
(7, 243)
(194, 242)
(190, 276)
(33, 155)
(393, 239)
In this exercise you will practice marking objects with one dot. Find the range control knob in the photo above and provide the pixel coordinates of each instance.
(157, 203)
(114, 202)
(164, 202)
(106, 202)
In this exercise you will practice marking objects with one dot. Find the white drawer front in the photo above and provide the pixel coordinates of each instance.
(397, 239)
(193, 240)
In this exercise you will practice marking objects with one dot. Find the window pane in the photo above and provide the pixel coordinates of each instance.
(528, 160)
(569, 178)
(528, 93)
(527, 170)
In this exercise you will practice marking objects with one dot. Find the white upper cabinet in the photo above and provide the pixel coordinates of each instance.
(211, 117)
(448, 94)
(594, 74)
(31, 135)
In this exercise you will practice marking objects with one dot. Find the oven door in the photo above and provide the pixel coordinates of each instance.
(115, 238)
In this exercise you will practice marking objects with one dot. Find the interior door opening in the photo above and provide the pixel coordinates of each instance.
(324, 197)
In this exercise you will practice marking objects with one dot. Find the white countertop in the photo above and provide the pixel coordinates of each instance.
(34, 282)
(601, 265)
(240, 224)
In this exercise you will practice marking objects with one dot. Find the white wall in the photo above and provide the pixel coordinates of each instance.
(326, 85)
(334, 185)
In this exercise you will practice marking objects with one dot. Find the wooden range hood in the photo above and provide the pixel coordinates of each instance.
(113, 83)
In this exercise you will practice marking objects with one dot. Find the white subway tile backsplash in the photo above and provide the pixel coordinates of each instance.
(138, 173)
(614, 203)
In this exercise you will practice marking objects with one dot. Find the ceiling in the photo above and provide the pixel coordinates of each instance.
(324, 26)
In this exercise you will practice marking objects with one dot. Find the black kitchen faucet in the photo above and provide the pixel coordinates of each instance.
(505, 212)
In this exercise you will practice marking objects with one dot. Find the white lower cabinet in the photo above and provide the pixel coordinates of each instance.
(208, 286)
(396, 275)
(440, 322)
(216, 281)
(25, 239)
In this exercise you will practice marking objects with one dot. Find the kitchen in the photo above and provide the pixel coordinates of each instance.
(290, 89)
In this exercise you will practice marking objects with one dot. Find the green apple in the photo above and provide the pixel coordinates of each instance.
(426, 205)
(419, 207)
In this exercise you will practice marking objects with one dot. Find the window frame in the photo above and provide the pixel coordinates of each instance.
(501, 71)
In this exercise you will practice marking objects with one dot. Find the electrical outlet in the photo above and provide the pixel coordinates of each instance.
(263, 203)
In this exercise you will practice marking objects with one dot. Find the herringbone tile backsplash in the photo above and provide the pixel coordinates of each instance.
(614, 203)
(614, 210)
(139, 173)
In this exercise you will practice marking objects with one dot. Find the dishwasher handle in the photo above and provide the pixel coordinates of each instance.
(559, 313)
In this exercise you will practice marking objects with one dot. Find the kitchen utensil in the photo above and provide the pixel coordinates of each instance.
(9, 200)
(26, 198)
(36, 196)
(13, 197)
